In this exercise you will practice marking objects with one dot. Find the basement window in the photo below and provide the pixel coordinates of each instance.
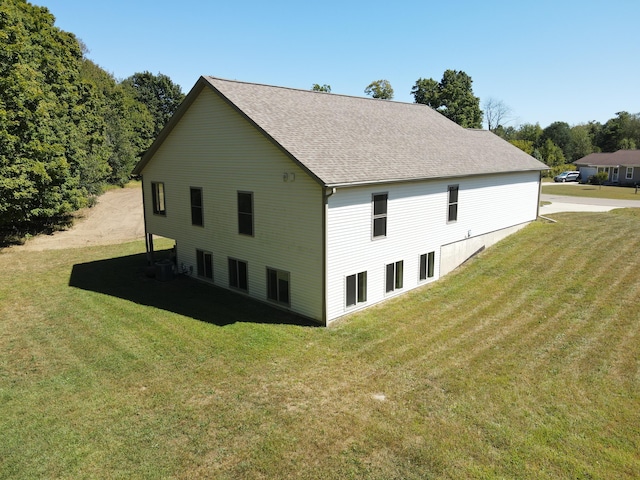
(278, 286)
(204, 264)
(394, 276)
(427, 261)
(356, 285)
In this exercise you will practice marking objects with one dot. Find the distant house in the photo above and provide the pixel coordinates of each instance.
(623, 166)
(324, 204)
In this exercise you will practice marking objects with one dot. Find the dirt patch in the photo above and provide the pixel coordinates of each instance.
(117, 217)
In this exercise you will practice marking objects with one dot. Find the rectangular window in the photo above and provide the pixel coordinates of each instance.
(245, 213)
(356, 289)
(204, 264)
(157, 196)
(427, 261)
(394, 276)
(238, 274)
(629, 173)
(196, 207)
(452, 216)
(278, 286)
(379, 214)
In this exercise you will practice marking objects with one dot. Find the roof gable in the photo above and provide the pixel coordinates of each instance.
(344, 140)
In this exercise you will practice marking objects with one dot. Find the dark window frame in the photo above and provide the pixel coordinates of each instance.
(379, 214)
(245, 215)
(197, 211)
(453, 195)
(427, 265)
(238, 274)
(158, 199)
(356, 289)
(279, 286)
(394, 276)
(204, 264)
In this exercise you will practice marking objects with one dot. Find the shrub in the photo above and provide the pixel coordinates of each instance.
(599, 178)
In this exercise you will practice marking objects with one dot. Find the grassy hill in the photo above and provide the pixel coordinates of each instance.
(523, 363)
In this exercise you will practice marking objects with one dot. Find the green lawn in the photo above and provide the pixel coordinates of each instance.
(592, 191)
(524, 363)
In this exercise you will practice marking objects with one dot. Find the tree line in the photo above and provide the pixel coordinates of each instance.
(68, 128)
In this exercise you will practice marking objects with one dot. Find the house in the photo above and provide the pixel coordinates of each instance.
(623, 166)
(324, 204)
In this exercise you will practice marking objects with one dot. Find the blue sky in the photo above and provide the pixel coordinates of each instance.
(561, 60)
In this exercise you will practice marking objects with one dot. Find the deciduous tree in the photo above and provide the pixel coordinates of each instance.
(380, 89)
(496, 113)
(452, 96)
(321, 88)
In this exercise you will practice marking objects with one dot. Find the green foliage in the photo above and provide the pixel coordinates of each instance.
(321, 88)
(525, 145)
(452, 96)
(558, 169)
(551, 153)
(580, 144)
(66, 127)
(599, 178)
(161, 96)
(620, 132)
(380, 89)
(41, 154)
(559, 133)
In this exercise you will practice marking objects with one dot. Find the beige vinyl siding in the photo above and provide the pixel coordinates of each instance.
(213, 147)
(416, 224)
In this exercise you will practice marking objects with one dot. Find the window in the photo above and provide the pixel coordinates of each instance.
(204, 264)
(157, 196)
(356, 289)
(238, 274)
(245, 213)
(629, 173)
(453, 203)
(196, 207)
(379, 214)
(278, 286)
(394, 276)
(427, 261)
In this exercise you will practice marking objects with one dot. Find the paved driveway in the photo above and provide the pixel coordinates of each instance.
(565, 203)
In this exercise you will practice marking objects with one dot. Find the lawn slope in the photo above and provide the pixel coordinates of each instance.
(524, 363)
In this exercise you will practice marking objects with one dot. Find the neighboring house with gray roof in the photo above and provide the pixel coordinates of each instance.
(623, 166)
(324, 204)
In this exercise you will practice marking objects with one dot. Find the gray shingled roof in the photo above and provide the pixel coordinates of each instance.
(350, 140)
(627, 158)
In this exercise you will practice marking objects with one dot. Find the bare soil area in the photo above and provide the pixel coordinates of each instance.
(117, 217)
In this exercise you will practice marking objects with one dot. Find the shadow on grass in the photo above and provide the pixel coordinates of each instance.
(124, 277)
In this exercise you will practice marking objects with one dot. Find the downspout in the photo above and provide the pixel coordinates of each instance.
(325, 238)
(539, 194)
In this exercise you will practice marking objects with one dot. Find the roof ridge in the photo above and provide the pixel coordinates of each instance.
(296, 89)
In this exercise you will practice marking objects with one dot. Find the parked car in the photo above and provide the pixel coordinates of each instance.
(571, 176)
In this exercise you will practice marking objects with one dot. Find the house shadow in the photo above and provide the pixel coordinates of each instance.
(126, 278)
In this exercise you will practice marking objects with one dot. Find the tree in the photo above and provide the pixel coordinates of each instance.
(321, 88)
(40, 150)
(380, 89)
(496, 113)
(580, 144)
(452, 96)
(551, 153)
(531, 133)
(559, 133)
(620, 132)
(161, 96)
(525, 145)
